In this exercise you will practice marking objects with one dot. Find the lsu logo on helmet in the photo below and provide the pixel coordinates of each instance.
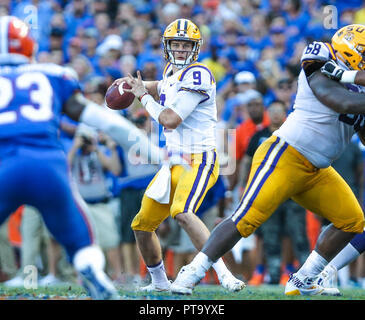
(349, 43)
(182, 29)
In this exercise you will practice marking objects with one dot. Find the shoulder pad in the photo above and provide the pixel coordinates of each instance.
(318, 51)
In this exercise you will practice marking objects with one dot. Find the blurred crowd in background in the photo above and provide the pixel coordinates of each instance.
(253, 48)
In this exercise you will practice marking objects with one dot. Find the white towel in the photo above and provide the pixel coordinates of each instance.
(160, 188)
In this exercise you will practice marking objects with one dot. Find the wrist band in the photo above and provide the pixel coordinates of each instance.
(152, 107)
(140, 98)
(348, 76)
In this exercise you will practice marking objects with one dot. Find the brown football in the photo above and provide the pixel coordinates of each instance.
(116, 98)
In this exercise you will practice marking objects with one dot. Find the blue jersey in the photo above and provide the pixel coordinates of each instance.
(32, 96)
(33, 167)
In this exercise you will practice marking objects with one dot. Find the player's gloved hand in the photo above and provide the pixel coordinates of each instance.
(332, 70)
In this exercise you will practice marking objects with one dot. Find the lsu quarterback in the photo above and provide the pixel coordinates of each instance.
(296, 163)
(187, 111)
(33, 165)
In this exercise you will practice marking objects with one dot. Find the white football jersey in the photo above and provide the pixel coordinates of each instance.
(197, 131)
(316, 131)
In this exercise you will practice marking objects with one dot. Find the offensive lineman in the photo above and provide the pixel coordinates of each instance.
(344, 73)
(295, 163)
(33, 168)
(187, 111)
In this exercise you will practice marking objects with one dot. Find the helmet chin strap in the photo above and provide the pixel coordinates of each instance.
(180, 63)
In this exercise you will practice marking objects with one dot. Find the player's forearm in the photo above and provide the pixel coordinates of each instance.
(360, 78)
(169, 119)
(335, 96)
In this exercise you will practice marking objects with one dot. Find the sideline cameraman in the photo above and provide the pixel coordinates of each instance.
(89, 165)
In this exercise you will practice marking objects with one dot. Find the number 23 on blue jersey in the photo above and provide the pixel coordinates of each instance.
(39, 105)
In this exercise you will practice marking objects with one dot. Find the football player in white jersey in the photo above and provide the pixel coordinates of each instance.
(187, 111)
(343, 72)
(296, 163)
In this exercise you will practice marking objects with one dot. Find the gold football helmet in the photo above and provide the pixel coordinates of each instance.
(185, 30)
(349, 44)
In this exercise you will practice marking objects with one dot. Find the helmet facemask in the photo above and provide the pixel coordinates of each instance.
(191, 57)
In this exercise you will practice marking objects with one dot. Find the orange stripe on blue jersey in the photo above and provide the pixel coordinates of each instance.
(331, 50)
(197, 65)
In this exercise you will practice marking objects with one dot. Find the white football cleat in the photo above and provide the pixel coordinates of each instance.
(156, 287)
(328, 277)
(186, 280)
(307, 287)
(49, 280)
(231, 283)
(15, 282)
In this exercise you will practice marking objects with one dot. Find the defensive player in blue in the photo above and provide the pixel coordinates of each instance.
(33, 166)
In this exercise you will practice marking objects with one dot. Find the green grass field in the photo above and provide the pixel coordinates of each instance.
(202, 292)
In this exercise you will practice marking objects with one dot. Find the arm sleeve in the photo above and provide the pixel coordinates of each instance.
(185, 103)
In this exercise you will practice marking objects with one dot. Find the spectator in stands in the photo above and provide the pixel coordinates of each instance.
(76, 13)
(128, 64)
(74, 49)
(258, 119)
(243, 81)
(83, 68)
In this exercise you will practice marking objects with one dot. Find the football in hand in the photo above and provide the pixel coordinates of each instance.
(116, 98)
